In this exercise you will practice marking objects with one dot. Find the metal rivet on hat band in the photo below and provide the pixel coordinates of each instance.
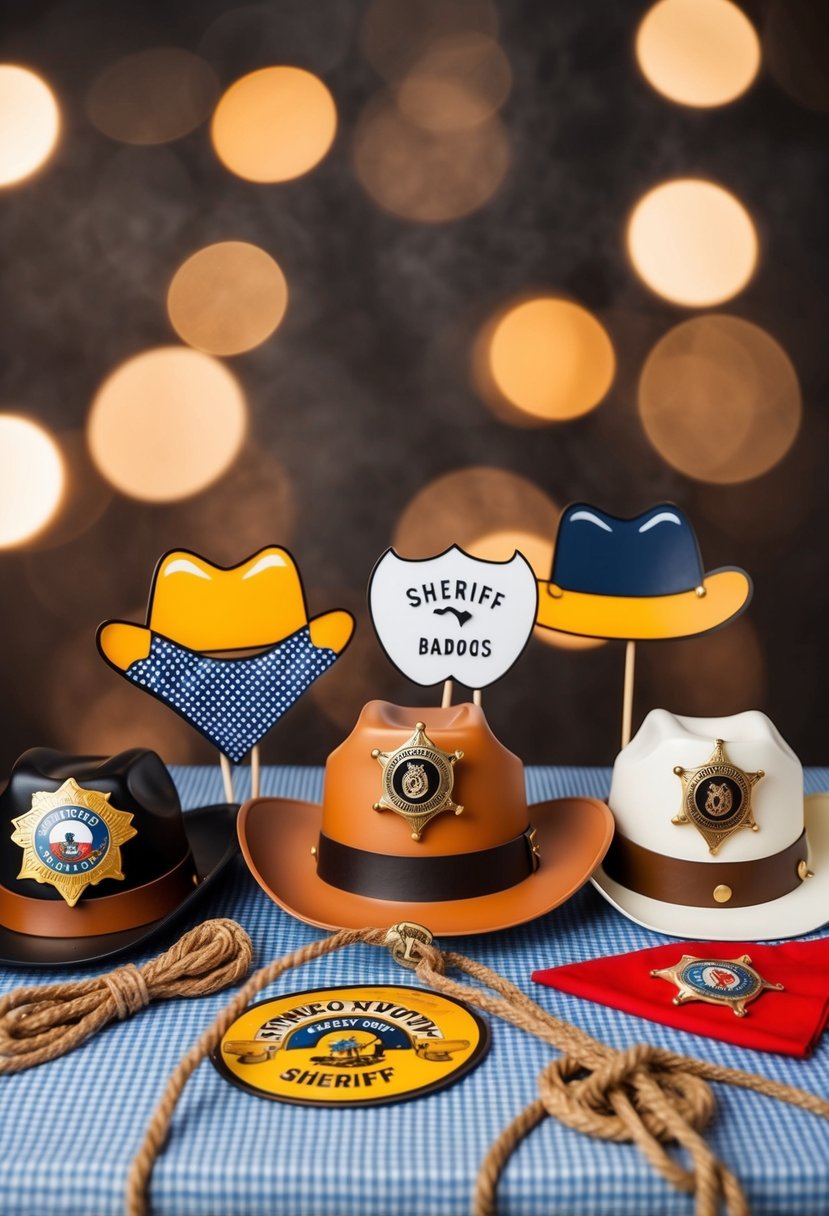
(803, 870)
(722, 893)
(701, 591)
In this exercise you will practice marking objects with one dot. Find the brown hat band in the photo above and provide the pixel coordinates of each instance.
(427, 879)
(706, 884)
(109, 914)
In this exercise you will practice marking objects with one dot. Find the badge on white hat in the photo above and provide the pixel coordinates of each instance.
(717, 882)
(716, 797)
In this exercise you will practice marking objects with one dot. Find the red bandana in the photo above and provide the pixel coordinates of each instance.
(790, 1021)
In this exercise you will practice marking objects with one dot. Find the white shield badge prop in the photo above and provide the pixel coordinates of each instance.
(453, 617)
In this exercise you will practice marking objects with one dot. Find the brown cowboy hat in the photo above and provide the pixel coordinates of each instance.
(389, 842)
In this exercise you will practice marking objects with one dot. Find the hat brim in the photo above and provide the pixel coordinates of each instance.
(801, 911)
(123, 643)
(212, 838)
(648, 617)
(277, 834)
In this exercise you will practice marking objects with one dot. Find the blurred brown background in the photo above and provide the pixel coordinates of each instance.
(461, 313)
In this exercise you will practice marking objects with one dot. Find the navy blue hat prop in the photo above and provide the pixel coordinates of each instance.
(636, 579)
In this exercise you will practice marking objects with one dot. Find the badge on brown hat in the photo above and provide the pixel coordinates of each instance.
(417, 780)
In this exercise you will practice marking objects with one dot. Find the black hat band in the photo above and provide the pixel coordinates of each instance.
(430, 878)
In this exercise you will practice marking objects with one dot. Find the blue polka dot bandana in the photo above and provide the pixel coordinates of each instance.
(232, 702)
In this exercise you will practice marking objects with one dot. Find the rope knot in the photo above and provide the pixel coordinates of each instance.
(128, 989)
(40, 1023)
(643, 1089)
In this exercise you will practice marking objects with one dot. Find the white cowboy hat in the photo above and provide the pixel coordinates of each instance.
(714, 838)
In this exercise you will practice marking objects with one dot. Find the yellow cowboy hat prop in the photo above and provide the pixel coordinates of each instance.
(230, 649)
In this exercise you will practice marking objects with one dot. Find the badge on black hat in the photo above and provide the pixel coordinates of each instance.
(72, 839)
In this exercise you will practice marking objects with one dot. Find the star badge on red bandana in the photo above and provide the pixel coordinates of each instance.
(717, 981)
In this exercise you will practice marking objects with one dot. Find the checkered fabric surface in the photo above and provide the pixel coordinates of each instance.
(69, 1129)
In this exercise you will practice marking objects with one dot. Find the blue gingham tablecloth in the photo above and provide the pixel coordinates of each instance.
(69, 1129)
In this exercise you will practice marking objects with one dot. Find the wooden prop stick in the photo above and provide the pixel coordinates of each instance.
(254, 772)
(227, 777)
(627, 695)
(446, 700)
(476, 696)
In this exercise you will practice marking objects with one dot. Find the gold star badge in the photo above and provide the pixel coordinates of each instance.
(71, 839)
(716, 981)
(716, 797)
(417, 780)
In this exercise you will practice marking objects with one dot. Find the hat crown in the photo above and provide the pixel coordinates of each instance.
(137, 783)
(488, 784)
(655, 553)
(213, 608)
(646, 793)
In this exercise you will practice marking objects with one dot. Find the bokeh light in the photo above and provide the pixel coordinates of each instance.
(490, 513)
(153, 96)
(274, 125)
(698, 52)
(166, 423)
(538, 550)
(227, 298)
(545, 359)
(423, 175)
(462, 506)
(719, 399)
(31, 479)
(796, 49)
(29, 123)
(396, 33)
(458, 83)
(692, 242)
(86, 496)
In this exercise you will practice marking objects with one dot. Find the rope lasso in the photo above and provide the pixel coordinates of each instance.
(40, 1023)
(645, 1095)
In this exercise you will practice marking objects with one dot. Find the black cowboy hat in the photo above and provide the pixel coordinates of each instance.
(96, 856)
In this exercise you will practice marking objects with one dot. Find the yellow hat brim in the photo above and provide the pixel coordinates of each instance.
(122, 643)
(640, 618)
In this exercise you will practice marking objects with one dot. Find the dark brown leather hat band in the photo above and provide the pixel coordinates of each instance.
(427, 879)
(93, 917)
(738, 884)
